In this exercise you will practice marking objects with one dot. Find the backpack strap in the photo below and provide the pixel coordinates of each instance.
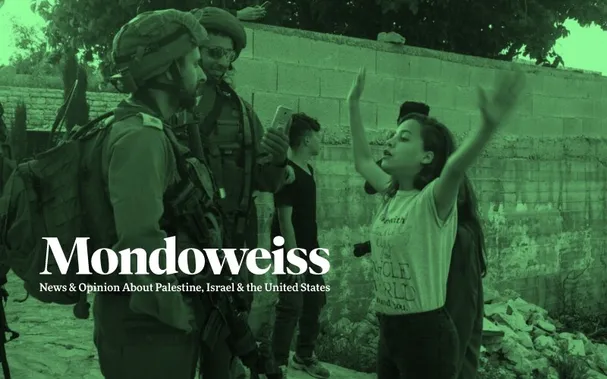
(249, 169)
(209, 126)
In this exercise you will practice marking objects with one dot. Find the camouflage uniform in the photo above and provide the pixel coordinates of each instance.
(144, 334)
(228, 133)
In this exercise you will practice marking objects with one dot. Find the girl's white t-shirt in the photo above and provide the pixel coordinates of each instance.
(411, 253)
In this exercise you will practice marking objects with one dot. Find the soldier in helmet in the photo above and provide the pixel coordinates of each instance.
(225, 130)
(151, 335)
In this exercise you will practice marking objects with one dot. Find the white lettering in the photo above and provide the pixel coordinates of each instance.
(252, 258)
(279, 255)
(295, 260)
(234, 264)
(112, 261)
(127, 256)
(63, 263)
(166, 261)
(183, 261)
(319, 261)
(170, 255)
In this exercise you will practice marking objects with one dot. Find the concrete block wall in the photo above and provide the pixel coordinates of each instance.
(541, 184)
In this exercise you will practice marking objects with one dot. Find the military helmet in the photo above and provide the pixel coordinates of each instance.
(150, 43)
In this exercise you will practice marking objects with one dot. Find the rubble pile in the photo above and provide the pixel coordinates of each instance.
(521, 338)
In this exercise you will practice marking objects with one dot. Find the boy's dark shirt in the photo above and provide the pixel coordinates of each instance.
(301, 195)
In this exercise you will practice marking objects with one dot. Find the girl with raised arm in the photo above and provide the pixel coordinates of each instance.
(414, 229)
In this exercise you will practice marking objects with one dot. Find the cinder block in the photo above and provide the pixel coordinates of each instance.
(425, 68)
(259, 74)
(466, 98)
(556, 86)
(482, 76)
(544, 105)
(572, 126)
(337, 84)
(456, 121)
(603, 87)
(441, 95)
(351, 58)
(326, 111)
(392, 64)
(247, 52)
(298, 80)
(410, 90)
(517, 125)
(292, 49)
(578, 107)
(246, 93)
(592, 127)
(316, 53)
(368, 112)
(275, 47)
(265, 105)
(455, 73)
(525, 104)
(600, 107)
(387, 115)
(534, 83)
(544, 126)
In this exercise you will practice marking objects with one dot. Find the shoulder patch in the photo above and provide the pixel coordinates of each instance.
(148, 120)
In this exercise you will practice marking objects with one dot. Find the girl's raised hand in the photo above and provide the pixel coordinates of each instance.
(358, 85)
(500, 105)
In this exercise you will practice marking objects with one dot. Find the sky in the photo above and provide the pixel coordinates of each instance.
(579, 49)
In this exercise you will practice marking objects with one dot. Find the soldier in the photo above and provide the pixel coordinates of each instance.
(149, 334)
(226, 130)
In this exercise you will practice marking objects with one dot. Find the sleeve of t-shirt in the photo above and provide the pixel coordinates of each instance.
(284, 197)
(426, 200)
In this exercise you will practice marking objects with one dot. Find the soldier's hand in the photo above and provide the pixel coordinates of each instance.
(276, 143)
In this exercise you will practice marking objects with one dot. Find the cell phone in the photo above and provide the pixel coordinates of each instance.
(282, 118)
(266, 4)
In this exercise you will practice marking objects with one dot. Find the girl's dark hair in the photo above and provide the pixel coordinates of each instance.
(468, 217)
(438, 138)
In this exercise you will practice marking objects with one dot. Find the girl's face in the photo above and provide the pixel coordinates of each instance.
(404, 153)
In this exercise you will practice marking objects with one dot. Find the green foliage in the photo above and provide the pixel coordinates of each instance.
(346, 351)
(591, 325)
(569, 366)
(492, 29)
(19, 133)
(34, 56)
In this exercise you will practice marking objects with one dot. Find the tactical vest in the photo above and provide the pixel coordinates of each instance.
(191, 210)
(228, 142)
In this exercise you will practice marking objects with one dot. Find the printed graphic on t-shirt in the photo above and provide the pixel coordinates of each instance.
(411, 254)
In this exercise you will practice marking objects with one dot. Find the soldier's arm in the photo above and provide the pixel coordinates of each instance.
(139, 171)
(268, 176)
(139, 159)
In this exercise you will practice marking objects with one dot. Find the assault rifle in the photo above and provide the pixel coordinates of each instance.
(5, 329)
(227, 320)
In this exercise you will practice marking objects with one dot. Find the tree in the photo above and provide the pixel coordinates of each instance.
(497, 29)
(33, 56)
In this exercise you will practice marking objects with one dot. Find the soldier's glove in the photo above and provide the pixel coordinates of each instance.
(362, 249)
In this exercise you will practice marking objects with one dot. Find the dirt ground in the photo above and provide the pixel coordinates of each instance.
(55, 345)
